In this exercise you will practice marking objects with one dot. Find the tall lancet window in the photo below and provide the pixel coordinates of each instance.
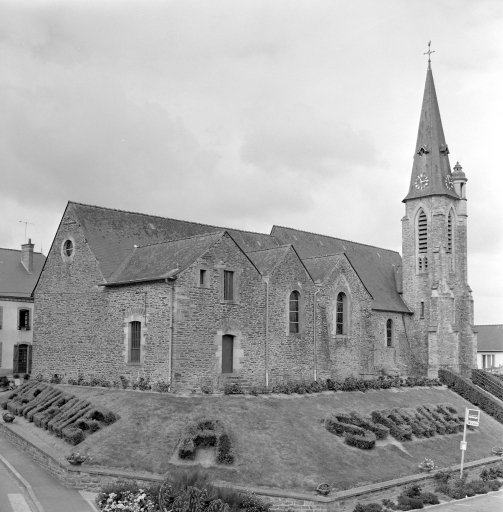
(422, 241)
(449, 232)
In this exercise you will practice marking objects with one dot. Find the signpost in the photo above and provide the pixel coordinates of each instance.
(472, 419)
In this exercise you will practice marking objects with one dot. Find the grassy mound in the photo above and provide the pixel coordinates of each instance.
(277, 441)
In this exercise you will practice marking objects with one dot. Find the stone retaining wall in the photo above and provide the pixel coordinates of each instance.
(93, 479)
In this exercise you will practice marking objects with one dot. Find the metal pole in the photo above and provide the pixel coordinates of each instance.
(463, 451)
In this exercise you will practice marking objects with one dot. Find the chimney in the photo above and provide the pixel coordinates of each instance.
(27, 256)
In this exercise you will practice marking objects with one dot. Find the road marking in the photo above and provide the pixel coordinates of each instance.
(18, 503)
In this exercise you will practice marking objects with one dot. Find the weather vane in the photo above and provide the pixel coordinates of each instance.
(429, 52)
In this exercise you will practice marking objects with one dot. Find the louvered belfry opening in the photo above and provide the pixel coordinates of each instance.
(422, 229)
(135, 341)
(449, 232)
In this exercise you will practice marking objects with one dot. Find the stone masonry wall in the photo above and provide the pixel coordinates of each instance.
(291, 355)
(444, 336)
(202, 317)
(340, 356)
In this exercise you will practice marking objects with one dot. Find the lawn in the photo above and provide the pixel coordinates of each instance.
(279, 441)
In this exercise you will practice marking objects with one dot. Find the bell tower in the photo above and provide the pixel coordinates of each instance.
(434, 251)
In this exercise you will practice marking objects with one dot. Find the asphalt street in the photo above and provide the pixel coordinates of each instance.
(47, 494)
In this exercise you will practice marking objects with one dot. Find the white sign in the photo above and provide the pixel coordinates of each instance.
(472, 417)
(463, 445)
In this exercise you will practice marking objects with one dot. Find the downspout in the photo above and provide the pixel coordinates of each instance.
(314, 335)
(171, 329)
(266, 280)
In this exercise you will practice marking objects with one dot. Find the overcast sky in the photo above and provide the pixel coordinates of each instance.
(248, 114)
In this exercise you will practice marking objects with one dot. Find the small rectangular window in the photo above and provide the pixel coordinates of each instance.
(23, 323)
(202, 277)
(422, 310)
(228, 285)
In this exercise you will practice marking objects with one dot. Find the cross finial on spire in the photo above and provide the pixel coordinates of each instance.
(429, 52)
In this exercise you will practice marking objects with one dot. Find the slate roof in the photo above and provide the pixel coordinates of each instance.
(267, 260)
(111, 234)
(374, 266)
(489, 338)
(319, 267)
(15, 281)
(434, 163)
(163, 259)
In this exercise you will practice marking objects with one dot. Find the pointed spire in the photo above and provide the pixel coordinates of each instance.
(431, 171)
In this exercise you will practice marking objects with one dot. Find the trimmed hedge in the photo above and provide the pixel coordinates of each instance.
(491, 383)
(472, 393)
(365, 441)
(61, 413)
(206, 433)
(380, 431)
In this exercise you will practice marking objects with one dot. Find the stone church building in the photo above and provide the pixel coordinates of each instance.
(190, 304)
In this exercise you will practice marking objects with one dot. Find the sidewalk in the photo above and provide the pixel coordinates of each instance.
(45, 492)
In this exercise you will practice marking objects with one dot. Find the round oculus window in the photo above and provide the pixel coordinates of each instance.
(68, 248)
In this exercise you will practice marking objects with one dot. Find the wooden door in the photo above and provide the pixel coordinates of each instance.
(22, 359)
(227, 353)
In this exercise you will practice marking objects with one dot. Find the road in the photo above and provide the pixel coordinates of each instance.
(41, 491)
(13, 497)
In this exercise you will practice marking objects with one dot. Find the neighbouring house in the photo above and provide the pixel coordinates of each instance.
(19, 272)
(490, 347)
(190, 304)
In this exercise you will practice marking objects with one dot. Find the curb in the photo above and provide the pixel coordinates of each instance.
(23, 482)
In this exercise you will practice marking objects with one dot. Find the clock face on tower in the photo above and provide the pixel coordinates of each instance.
(448, 182)
(421, 181)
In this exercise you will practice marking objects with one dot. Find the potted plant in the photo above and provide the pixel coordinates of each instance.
(497, 450)
(76, 459)
(427, 465)
(8, 417)
(323, 489)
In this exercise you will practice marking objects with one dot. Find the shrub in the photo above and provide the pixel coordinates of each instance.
(207, 390)
(473, 394)
(365, 441)
(380, 431)
(233, 388)
(443, 475)
(73, 435)
(368, 507)
(406, 503)
(124, 381)
(492, 473)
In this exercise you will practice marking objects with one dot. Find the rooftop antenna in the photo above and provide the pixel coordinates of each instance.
(25, 227)
(429, 52)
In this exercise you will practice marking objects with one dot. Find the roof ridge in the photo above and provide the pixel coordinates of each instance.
(487, 325)
(184, 238)
(168, 218)
(270, 248)
(341, 239)
(324, 256)
(17, 250)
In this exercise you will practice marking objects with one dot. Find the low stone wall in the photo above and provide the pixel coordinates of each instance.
(93, 479)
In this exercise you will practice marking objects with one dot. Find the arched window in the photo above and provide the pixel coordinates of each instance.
(341, 314)
(422, 232)
(134, 341)
(294, 312)
(389, 332)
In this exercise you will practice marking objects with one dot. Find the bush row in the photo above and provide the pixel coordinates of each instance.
(489, 382)
(206, 433)
(472, 393)
(61, 413)
(424, 421)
